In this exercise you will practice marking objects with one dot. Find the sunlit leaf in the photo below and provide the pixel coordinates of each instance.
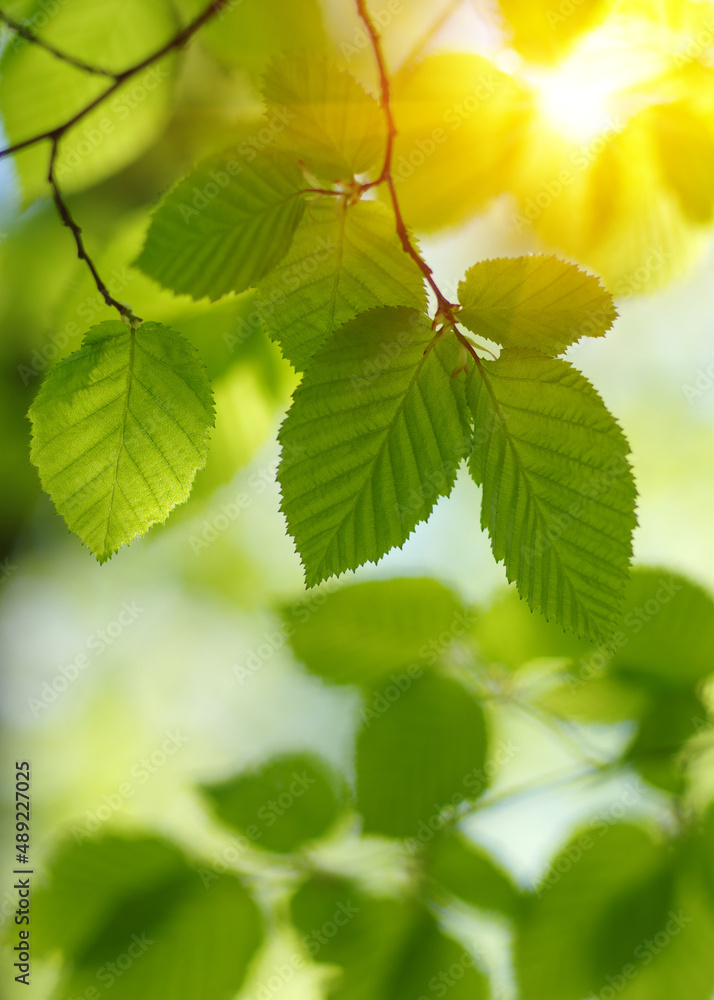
(120, 428)
(558, 495)
(543, 31)
(538, 302)
(330, 121)
(375, 435)
(222, 228)
(343, 261)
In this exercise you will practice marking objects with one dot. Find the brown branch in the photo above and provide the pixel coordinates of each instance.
(444, 307)
(173, 45)
(30, 36)
(64, 214)
(55, 135)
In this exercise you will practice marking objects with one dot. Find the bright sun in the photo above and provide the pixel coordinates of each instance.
(586, 93)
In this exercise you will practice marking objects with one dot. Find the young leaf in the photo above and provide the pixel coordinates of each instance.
(538, 302)
(558, 493)
(305, 797)
(333, 124)
(374, 436)
(363, 632)
(417, 753)
(120, 429)
(343, 261)
(222, 228)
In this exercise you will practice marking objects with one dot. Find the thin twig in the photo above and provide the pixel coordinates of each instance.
(444, 307)
(176, 43)
(64, 214)
(30, 36)
(55, 135)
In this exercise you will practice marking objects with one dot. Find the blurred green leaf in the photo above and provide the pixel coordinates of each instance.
(343, 261)
(40, 92)
(340, 925)
(666, 724)
(415, 752)
(330, 121)
(565, 944)
(668, 625)
(362, 632)
(436, 964)
(468, 872)
(247, 34)
(223, 227)
(88, 880)
(281, 805)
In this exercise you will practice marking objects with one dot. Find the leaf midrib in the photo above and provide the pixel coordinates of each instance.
(129, 374)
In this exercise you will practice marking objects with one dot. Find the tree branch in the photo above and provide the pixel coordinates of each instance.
(443, 305)
(55, 135)
(30, 36)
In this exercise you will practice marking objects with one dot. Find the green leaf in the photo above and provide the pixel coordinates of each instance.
(619, 916)
(374, 436)
(362, 632)
(436, 965)
(120, 428)
(222, 228)
(145, 929)
(666, 723)
(668, 631)
(281, 805)
(416, 752)
(562, 947)
(558, 493)
(88, 880)
(468, 872)
(343, 261)
(340, 925)
(331, 122)
(40, 92)
(246, 34)
(539, 302)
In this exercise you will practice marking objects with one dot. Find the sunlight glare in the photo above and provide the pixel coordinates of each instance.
(583, 96)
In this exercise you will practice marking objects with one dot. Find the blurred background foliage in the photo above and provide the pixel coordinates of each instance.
(466, 801)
